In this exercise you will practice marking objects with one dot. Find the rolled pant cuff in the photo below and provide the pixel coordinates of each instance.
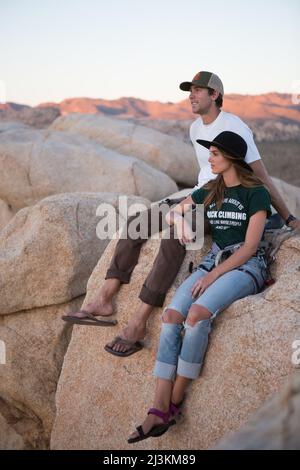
(164, 370)
(188, 369)
(152, 298)
(123, 276)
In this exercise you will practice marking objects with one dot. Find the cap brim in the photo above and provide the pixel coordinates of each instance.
(185, 86)
(207, 144)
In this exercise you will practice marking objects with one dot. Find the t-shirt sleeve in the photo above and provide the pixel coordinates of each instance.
(252, 152)
(199, 195)
(260, 200)
(238, 126)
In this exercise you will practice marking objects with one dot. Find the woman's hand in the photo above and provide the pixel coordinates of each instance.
(184, 231)
(200, 286)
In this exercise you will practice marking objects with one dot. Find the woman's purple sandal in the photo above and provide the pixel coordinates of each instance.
(176, 410)
(155, 431)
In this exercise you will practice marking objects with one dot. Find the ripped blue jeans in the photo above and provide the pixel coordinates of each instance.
(182, 347)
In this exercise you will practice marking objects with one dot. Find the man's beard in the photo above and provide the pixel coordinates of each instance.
(202, 111)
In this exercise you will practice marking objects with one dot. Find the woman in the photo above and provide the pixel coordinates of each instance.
(236, 205)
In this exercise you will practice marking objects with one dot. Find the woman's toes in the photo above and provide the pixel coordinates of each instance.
(133, 435)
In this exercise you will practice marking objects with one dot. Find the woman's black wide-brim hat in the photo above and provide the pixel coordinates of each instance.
(233, 144)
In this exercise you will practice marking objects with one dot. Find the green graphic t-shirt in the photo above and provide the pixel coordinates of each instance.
(229, 224)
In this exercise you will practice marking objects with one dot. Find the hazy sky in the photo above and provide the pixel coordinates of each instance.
(52, 50)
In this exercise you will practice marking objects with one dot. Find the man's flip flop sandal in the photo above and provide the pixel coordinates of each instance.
(89, 319)
(132, 347)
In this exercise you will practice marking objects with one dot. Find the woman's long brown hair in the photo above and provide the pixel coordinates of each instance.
(217, 186)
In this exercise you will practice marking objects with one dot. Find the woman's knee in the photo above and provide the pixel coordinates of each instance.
(172, 316)
(197, 313)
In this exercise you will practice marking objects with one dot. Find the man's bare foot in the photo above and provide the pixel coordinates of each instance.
(133, 332)
(97, 308)
(102, 303)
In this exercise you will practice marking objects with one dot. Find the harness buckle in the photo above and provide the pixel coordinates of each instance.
(222, 255)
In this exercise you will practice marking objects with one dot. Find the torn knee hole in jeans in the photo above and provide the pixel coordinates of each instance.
(174, 316)
(196, 320)
(198, 313)
(191, 323)
(198, 323)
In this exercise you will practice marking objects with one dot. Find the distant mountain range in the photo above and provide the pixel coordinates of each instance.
(273, 118)
(269, 106)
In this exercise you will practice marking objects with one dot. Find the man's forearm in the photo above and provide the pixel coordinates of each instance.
(276, 199)
(172, 217)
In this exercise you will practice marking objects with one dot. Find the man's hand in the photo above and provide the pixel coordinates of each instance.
(184, 231)
(294, 224)
(200, 286)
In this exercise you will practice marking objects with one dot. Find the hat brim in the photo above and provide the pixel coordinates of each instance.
(207, 144)
(185, 86)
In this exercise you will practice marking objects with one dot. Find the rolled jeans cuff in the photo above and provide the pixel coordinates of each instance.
(188, 369)
(123, 276)
(152, 298)
(164, 370)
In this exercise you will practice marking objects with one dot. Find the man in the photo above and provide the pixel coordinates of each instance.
(206, 97)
